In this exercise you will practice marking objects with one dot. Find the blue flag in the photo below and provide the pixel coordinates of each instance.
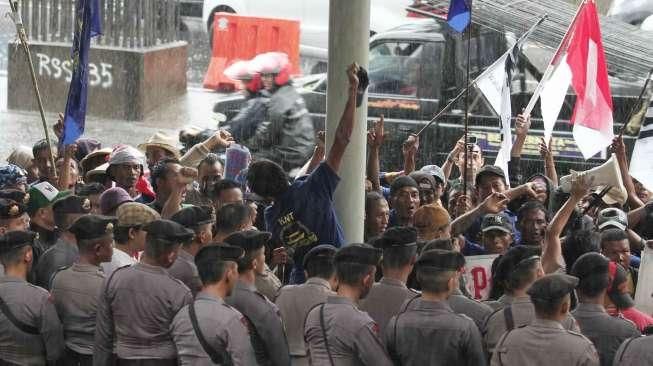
(460, 14)
(87, 25)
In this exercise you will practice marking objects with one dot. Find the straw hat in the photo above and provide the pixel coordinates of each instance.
(164, 141)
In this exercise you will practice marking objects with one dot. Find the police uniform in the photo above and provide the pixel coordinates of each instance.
(337, 332)
(139, 303)
(635, 352)
(546, 342)
(476, 310)
(11, 210)
(76, 291)
(386, 296)
(31, 331)
(222, 329)
(606, 332)
(184, 268)
(430, 332)
(295, 301)
(62, 254)
(267, 329)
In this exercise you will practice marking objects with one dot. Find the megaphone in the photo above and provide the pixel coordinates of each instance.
(607, 174)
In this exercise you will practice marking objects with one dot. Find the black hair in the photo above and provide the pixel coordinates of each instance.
(160, 170)
(41, 145)
(532, 205)
(211, 271)
(223, 185)
(398, 257)
(121, 234)
(87, 245)
(612, 234)
(434, 281)
(577, 243)
(246, 262)
(522, 274)
(443, 244)
(210, 159)
(372, 198)
(267, 179)
(321, 267)
(548, 307)
(155, 248)
(90, 189)
(593, 284)
(231, 216)
(13, 256)
(352, 273)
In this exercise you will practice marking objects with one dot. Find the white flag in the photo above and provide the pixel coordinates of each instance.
(641, 168)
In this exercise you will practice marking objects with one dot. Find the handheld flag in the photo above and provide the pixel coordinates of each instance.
(495, 85)
(460, 14)
(87, 25)
(640, 165)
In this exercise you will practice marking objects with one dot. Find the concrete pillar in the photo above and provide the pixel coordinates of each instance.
(349, 31)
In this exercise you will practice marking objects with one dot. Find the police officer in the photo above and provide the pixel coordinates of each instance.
(64, 253)
(399, 246)
(31, 331)
(138, 302)
(337, 332)
(517, 270)
(12, 217)
(295, 301)
(545, 341)
(200, 220)
(606, 332)
(208, 331)
(76, 289)
(427, 331)
(267, 330)
(634, 352)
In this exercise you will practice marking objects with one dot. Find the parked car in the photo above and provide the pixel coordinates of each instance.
(313, 15)
(417, 68)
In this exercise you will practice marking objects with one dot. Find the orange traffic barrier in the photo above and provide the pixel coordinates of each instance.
(238, 37)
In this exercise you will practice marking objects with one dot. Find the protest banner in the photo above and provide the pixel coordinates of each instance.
(478, 275)
(644, 293)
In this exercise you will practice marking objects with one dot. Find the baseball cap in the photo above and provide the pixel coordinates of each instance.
(489, 170)
(612, 218)
(496, 222)
(401, 182)
(423, 180)
(43, 195)
(435, 171)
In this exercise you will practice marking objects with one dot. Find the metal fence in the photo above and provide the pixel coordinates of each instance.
(125, 23)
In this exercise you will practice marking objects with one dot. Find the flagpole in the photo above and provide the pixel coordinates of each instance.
(22, 36)
(466, 121)
(639, 100)
(554, 60)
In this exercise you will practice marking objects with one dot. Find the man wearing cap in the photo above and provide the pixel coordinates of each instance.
(208, 331)
(95, 159)
(610, 218)
(545, 341)
(13, 216)
(606, 332)
(432, 222)
(399, 245)
(64, 253)
(138, 302)
(427, 188)
(440, 180)
(200, 220)
(13, 177)
(129, 235)
(427, 331)
(295, 301)
(619, 302)
(111, 199)
(404, 196)
(516, 271)
(267, 330)
(337, 332)
(41, 196)
(76, 289)
(31, 330)
(496, 233)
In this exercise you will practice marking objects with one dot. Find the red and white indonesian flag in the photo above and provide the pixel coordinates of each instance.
(580, 61)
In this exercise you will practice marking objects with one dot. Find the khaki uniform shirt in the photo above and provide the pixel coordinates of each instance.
(136, 307)
(352, 335)
(267, 283)
(267, 333)
(31, 305)
(544, 343)
(62, 254)
(606, 332)
(385, 299)
(185, 270)
(76, 292)
(476, 310)
(294, 302)
(223, 327)
(635, 352)
(430, 333)
(523, 313)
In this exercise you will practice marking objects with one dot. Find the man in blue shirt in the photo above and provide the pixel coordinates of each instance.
(302, 213)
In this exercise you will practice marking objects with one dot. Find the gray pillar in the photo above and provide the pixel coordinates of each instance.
(349, 30)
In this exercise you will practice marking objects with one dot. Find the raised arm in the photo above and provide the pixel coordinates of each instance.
(552, 259)
(409, 149)
(316, 158)
(522, 125)
(346, 124)
(448, 165)
(619, 149)
(374, 141)
(494, 203)
(549, 164)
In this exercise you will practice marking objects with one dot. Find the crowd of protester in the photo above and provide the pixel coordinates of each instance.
(143, 255)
